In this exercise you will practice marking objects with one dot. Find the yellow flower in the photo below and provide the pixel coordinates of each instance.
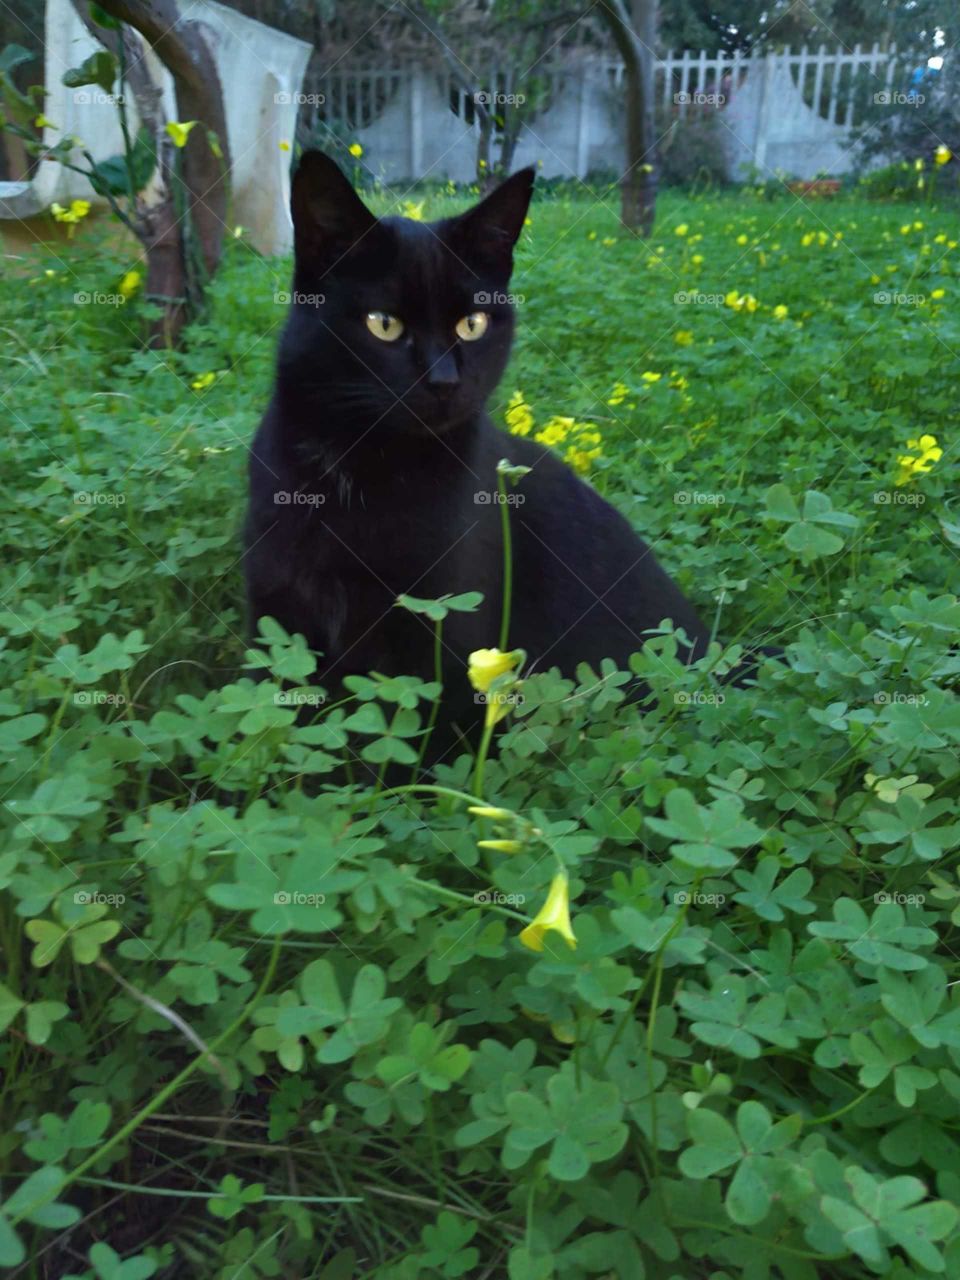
(412, 211)
(553, 916)
(42, 122)
(355, 150)
(905, 229)
(683, 338)
(807, 239)
(942, 154)
(918, 226)
(591, 235)
(733, 299)
(619, 394)
(490, 811)
(501, 846)
(519, 416)
(650, 376)
(924, 453)
(284, 146)
(697, 259)
(681, 230)
(608, 241)
(130, 283)
(555, 432)
(743, 239)
(205, 380)
(179, 132)
(918, 164)
(78, 209)
(780, 312)
(940, 239)
(485, 665)
(938, 293)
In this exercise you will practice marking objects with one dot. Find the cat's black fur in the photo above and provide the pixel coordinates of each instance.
(384, 448)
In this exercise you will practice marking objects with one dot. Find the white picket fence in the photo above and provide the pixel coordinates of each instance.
(791, 110)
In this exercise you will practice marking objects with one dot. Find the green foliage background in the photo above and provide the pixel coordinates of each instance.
(750, 1065)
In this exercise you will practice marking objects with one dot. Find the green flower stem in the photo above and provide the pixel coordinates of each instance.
(157, 1101)
(435, 709)
(205, 1195)
(481, 760)
(507, 560)
(464, 900)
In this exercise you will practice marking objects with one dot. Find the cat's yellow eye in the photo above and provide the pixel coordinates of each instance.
(473, 326)
(385, 327)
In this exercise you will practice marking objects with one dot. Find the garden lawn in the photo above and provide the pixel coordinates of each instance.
(255, 1024)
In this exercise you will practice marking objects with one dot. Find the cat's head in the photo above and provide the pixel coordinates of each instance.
(397, 325)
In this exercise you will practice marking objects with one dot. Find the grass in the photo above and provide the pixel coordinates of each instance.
(763, 881)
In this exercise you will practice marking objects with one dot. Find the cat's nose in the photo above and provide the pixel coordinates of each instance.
(443, 377)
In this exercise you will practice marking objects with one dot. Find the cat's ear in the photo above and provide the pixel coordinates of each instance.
(491, 229)
(328, 215)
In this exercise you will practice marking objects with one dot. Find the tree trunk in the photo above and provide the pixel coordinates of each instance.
(175, 275)
(635, 38)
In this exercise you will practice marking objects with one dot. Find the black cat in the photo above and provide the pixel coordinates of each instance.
(373, 470)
